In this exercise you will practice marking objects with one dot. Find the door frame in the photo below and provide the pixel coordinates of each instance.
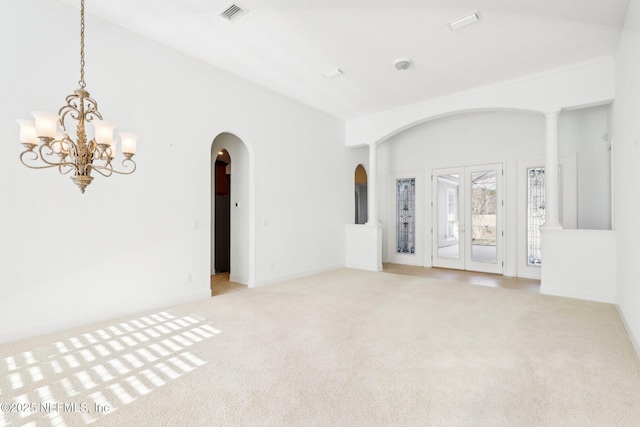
(465, 260)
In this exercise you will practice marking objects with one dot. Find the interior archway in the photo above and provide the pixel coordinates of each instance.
(230, 209)
(360, 182)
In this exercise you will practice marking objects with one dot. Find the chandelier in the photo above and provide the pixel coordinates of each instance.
(49, 144)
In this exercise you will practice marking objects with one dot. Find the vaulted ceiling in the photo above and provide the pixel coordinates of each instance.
(287, 45)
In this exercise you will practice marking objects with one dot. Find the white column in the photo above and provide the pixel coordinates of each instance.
(551, 169)
(372, 200)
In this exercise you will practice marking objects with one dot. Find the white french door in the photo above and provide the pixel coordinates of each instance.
(467, 232)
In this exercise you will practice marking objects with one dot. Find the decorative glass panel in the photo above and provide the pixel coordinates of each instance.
(405, 216)
(535, 214)
(484, 216)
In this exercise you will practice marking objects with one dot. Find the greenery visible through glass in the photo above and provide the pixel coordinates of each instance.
(484, 216)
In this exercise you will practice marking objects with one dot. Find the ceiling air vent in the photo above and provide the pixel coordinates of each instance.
(233, 12)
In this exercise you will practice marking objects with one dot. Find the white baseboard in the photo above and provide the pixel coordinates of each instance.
(284, 278)
(238, 279)
(367, 267)
(130, 310)
(632, 338)
(578, 294)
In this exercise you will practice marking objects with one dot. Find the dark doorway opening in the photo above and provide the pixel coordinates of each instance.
(222, 212)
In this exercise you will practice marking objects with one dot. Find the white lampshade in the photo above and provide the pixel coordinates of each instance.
(103, 131)
(46, 123)
(28, 132)
(129, 142)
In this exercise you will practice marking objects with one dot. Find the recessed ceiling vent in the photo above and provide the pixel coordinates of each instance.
(233, 12)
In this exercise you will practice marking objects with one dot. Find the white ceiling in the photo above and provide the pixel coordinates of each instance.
(287, 45)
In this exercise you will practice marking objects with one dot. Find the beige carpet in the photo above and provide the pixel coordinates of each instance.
(344, 348)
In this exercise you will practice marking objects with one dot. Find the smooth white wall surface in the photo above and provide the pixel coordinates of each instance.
(362, 249)
(474, 139)
(626, 167)
(586, 133)
(131, 243)
(579, 264)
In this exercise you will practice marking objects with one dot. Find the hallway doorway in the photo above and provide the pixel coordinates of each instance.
(222, 194)
(230, 225)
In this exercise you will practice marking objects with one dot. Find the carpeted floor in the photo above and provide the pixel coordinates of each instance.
(343, 348)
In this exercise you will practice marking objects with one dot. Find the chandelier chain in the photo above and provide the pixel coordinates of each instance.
(82, 82)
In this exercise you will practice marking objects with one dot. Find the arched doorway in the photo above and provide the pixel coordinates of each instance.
(360, 181)
(230, 210)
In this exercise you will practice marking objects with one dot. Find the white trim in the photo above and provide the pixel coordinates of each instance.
(286, 277)
(578, 294)
(632, 338)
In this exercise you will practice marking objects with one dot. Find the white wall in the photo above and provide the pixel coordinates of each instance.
(626, 167)
(573, 87)
(474, 139)
(130, 243)
(579, 264)
(585, 132)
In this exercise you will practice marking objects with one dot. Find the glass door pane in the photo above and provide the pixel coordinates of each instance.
(447, 232)
(448, 244)
(484, 216)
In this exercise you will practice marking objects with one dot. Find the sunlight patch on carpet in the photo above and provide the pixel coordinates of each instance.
(93, 374)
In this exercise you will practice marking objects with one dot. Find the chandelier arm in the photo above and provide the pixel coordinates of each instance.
(70, 166)
(124, 163)
(51, 152)
(34, 158)
(100, 169)
(48, 164)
